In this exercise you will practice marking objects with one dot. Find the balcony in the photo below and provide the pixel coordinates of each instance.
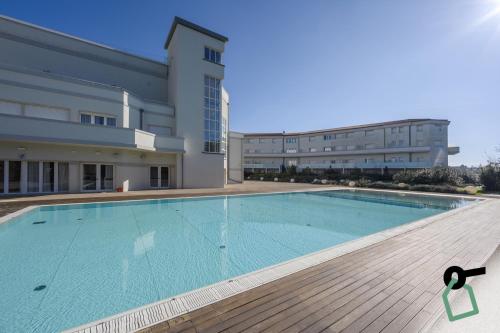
(19, 128)
(261, 166)
(359, 165)
(369, 165)
(453, 150)
(387, 150)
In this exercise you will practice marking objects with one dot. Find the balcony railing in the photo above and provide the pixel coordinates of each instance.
(387, 150)
(19, 128)
(358, 165)
(368, 165)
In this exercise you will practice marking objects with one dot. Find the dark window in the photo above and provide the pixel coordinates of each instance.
(153, 177)
(89, 177)
(14, 176)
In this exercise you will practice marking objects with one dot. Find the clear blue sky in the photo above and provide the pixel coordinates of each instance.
(303, 65)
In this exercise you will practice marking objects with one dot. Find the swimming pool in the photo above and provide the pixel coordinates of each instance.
(63, 266)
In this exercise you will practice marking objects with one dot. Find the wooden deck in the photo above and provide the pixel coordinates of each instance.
(392, 286)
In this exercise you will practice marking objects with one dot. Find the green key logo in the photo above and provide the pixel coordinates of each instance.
(457, 284)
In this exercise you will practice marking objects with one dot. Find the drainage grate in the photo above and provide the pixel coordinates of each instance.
(222, 247)
(39, 222)
(40, 287)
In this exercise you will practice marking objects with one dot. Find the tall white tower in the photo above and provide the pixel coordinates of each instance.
(194, 88)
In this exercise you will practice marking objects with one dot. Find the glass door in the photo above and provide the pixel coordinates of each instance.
(14, 176)
(106, 177)
(164, 176)
(153, 176)
(48, 177)
(33, 176)
(89, 177)
(63, 176)
(2, 173)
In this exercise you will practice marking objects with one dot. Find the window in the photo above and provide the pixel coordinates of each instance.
(48, 177)
(110, 121)
(153, 177)
(262, 140)
(394, 130)
(89, 181)
(85, 118)
(420, 128)
(370, 146)
(342, 147)
(33, 171)
(99, 120)
(351, 147)
(95, 119)
(327, 137)
(350, 134)
(420, 143)
(164, 177)
(327, 149)
(14, 176)
(312, 138)
(291, 140)
(1, 175)
(212, 111)
(212, 55)
(275, 140)
(291, 150)
(341, 136)
(401, 129)
(106, 177)
(158, 176)
(439, 128)
(401, 143)
(63, 176)
(313, 150)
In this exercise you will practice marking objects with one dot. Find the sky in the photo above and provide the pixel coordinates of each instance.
(306, 65)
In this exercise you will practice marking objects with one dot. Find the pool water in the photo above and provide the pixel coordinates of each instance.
(63, 266)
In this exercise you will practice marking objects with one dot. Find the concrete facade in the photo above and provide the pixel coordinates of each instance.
(74, 107)
(412, 143)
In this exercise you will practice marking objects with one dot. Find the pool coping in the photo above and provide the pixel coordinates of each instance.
(153, 313)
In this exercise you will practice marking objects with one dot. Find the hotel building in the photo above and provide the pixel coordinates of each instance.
(396, 145)
(79, 116)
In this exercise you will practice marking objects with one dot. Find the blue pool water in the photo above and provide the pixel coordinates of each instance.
(89, 261)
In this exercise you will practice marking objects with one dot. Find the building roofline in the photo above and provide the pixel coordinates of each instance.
(346, 128)
(82, 40)
(193, 26)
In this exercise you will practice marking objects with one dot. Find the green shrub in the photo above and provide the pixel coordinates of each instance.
(490, 177)
(434, 176)
(291, 170)
(444, 188)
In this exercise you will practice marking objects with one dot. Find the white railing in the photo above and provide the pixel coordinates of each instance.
(260, 166)
(369, 165)
(22, 128)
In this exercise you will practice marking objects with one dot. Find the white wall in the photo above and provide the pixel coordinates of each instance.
(235, 158)
(186, 88)
(36, 48)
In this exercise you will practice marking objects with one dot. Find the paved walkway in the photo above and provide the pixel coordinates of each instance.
(392, 286)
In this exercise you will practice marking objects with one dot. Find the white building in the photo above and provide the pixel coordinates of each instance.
(79, 116)
(411, 143)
